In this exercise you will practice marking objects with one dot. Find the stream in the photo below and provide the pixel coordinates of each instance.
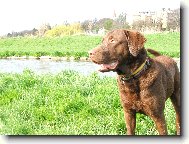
(50, 66)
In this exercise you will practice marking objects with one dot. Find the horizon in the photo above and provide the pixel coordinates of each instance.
(26, 15)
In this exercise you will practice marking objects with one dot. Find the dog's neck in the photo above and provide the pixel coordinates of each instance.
(132, 63)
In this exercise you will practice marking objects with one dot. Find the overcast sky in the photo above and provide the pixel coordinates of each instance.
(17, 15)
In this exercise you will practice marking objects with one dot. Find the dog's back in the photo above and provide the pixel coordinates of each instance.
(169, 71)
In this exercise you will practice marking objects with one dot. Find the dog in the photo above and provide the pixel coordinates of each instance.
(144, 83)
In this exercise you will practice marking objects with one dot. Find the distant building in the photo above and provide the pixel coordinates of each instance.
(142, 15)
(161, 20)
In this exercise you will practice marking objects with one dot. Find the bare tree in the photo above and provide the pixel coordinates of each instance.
(43, 28)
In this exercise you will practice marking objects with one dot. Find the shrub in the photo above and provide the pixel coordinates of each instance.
(62, 30)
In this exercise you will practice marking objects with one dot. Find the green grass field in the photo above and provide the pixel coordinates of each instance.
(78, 46)
(67, 103)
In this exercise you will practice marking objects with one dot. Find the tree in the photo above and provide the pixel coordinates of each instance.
(173, 19)
(122, 18)
(84, 25)
(108, 24)
(43, 28)
(138, 24)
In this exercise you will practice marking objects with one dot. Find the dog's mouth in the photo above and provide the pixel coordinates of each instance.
(108, 67)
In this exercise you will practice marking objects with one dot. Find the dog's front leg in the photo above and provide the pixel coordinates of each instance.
(160, 122)
(130, 120)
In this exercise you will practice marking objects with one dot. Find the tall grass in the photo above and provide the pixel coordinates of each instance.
(78, 46)
(67, 103)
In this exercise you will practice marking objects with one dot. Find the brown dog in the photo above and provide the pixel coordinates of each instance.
(144, 83)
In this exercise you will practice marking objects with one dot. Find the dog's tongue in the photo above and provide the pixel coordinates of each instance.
(108, 67)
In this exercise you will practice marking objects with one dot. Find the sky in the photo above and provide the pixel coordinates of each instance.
(18, 15)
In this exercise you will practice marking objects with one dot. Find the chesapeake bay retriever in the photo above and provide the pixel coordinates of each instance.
(144, 83)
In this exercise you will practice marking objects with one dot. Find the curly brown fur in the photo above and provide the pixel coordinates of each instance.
(123, 51)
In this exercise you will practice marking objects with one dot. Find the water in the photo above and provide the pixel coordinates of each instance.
(50, 66)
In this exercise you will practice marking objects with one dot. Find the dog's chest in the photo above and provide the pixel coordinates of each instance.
(130, 94)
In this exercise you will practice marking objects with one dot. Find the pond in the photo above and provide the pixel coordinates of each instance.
(50, 66)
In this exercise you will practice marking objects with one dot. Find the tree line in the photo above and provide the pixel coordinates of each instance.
(168, 21)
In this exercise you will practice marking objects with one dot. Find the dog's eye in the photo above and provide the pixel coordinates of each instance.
(112, 41)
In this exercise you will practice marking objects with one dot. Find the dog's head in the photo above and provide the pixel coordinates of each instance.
(116, 47)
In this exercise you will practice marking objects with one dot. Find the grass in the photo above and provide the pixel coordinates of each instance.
(78, 46)
(66, 103)
(167, 44)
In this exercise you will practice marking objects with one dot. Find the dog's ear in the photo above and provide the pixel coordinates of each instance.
(135, 41)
